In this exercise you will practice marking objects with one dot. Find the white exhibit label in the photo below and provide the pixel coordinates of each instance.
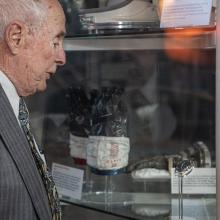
(183, 13)
(199, 181)
(68, 181)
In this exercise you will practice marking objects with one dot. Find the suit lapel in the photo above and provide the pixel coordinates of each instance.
(20, 152)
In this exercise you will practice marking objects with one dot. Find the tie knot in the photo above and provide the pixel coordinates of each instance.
(23, 115)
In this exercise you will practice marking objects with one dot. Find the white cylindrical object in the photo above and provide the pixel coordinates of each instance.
(108, 153)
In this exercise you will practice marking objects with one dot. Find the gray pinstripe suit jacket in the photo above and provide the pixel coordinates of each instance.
(22, 194)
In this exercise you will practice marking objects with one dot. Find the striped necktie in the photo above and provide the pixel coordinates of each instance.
(42, 167)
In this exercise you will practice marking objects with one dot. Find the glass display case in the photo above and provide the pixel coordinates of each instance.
(133, 112)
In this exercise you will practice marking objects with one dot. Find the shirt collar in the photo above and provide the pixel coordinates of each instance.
(10, 92)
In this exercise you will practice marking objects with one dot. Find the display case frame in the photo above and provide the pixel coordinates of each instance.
(207, 39)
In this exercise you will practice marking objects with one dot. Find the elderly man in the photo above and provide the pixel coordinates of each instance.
(31, 37)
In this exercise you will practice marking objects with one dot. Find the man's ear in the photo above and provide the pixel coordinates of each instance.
(14, 36)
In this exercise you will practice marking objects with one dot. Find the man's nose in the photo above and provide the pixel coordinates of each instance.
(61, 57)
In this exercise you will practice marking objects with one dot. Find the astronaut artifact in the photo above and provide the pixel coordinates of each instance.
(119, 15)
(198, 153)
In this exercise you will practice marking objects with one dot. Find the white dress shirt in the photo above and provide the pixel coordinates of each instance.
(13, 98)
(10, 92)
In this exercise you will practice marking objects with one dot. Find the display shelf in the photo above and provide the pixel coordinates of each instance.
(148, 205)
(181, 38)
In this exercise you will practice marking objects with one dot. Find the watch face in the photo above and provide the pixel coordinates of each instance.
(184, 168)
